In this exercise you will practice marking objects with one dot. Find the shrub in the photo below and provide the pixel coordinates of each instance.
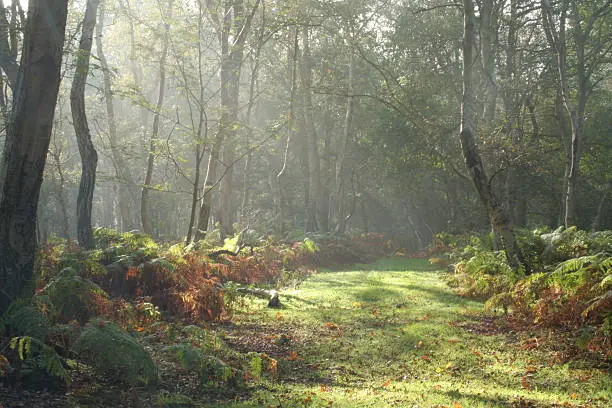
(70, 297)
(111, 350)
(125, 243)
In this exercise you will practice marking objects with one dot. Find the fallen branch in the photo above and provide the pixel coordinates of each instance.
(271, 295)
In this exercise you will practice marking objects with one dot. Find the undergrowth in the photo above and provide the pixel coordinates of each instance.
(570, 286)
(96, 308)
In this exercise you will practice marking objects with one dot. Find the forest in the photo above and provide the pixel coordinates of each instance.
(305, 203)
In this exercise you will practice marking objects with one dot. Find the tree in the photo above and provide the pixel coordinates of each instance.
(27, 141)
(127, 188)
(89, 156)
(146, 188)
(467, 135)
(233, 25)
(587, 24)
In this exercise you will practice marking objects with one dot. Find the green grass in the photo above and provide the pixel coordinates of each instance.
(393, 334)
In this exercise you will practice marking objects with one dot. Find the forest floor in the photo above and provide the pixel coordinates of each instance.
(386, 334)
(394, 334)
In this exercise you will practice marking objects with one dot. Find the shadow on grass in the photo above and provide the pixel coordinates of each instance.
(440, 295)
(375, 294)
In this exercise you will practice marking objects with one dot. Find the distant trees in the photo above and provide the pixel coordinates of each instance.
(329, 117)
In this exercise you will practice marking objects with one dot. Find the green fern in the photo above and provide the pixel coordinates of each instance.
(71, 296)
(26, 319)
(255, 365)
(575, 272)
(44, 356)
(110, 349)
(188, 356)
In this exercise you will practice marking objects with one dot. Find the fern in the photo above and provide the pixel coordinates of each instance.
(71, 296)
(108, 348)
(26, 319)
(188, 356)
(44, 356)
(576, 272)
(255, 365)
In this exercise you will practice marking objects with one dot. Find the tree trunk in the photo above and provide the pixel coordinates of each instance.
(602, 209)
(344, 146)
(126, 192)
(27, 141)
(473, 160)
(8, 51)
(89, 157)
(235, 25)
(314, 170)
(581, 25)
(146, 187)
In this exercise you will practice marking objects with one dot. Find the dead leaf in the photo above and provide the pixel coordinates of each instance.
(386, 383)
(525, 384)
(293, 356)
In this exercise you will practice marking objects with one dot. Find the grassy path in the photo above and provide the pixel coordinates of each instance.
(393, 334)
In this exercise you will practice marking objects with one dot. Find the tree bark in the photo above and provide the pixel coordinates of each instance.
(27, 141)
(146, 187)
(8, 51)
(473, 160)
(89, 157)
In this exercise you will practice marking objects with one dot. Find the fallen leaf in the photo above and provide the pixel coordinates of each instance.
(324, 388)
(425, 358)
(293, 356)
(386, 383)
(525, 384)
(457, 405)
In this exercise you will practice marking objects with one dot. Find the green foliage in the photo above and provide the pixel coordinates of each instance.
(531, 245)
(577, 272)
(309, 246)
(125, 243)
(111, 350)
(25, 319)
(173, 400)
(570, 286)
(255, 365)
(70, 296)
(208, 367)
(43, 356)
(563, 244)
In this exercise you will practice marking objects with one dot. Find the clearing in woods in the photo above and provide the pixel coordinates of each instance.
(393, 334)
